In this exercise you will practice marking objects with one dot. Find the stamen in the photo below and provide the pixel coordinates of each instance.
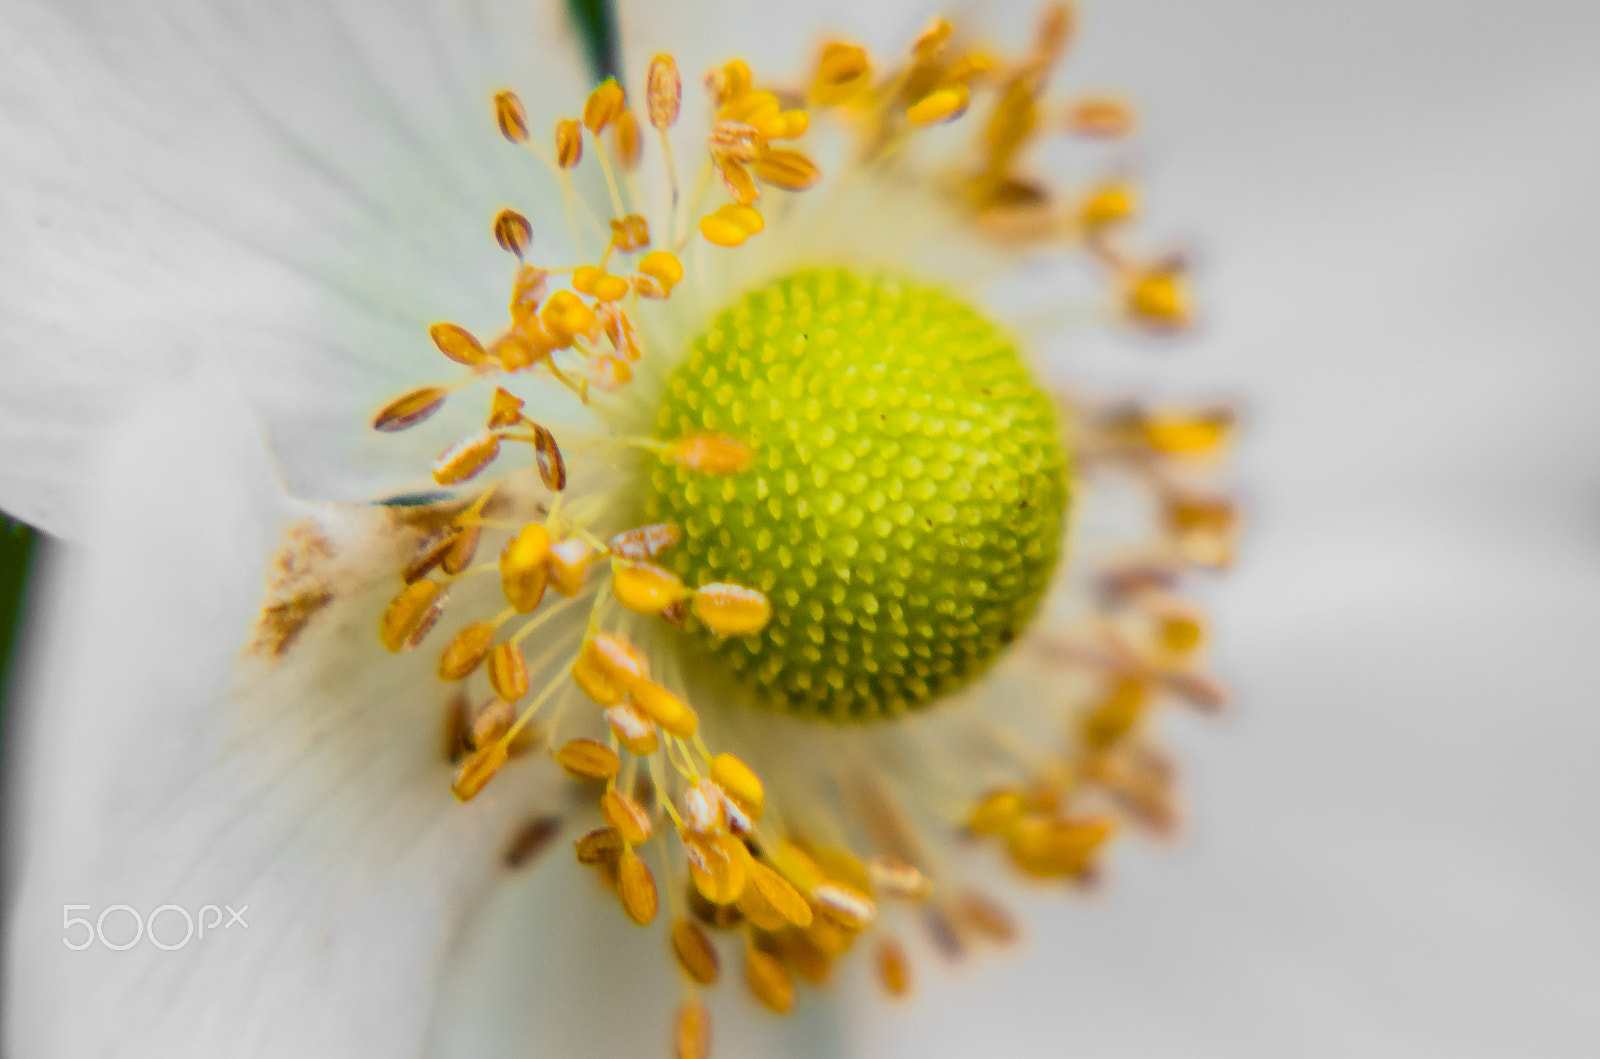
(663, 92)
(695, 953)
(463, 460)
(731, 610)
(691, 1038)
(508, 672)
(731, 225)
(458, 344)
(789, 170)
(894, 971)
(466, 650)
(635, 731)
(940, 106)
(586, 759)
(478, 769)
(716, 864)
(569, 144)
(510, 116)
(645, 542)
(524, 569)
(626, 816)
(513, 232)
(410, 409)
(769, 981)
(602, 846)
(669, 712)
(637, 888)
(412, 613)
(739, 782)
(645, 588)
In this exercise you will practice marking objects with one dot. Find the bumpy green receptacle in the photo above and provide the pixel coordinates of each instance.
(905, 508)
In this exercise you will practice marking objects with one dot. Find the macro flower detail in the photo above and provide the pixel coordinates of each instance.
(817, 599)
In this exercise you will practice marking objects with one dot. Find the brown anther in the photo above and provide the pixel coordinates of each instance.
(637, 888)
(513, 232)
(524, 567)
(657, 703)
(430, 553)
(570, 561)
(703, 808)
(410, 409)
(601, 846)
(508, 672)
(586, 759)
(646, 588)
(604, 105)
(511, 118)
(494, 720)
(478, 769)
(740, 783)
(1049, 848)
(630, 232)
(569, 143)
(527, 292)
(645, 542)
(769, 981)
(635, 731)
(629, 147)
(729, 82)
(738, 182)
(663, 93)
(677, 614)
(731, 610)
(463, 460)
(789, 170)
(466, 650)
(458, 344)
(804, 958)
(695, 953)
(842, 73)
(717, 455)
(988, 918)
(717, 864)
(463, 545)
(620, 332)
(736, 141)
(894, 970)
(893, 877)
(848, 908)
(691, 1034)
(411, 614)
(505, 409)
(530, 840)
(780, 894)
(626, 816)
(547, 454)
(1100, 116)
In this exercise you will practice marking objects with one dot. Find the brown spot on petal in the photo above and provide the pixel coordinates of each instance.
(530, 840)
(297, 589)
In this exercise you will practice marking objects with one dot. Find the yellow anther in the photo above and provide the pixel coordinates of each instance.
(478, 769)
(736, 141)
(1204, 528)
(703, 808)
(895, 878)
(510, 116)
(466, 650)
(411, 614)
(566, 317)
(637, 888)
(729, 82)
(628, 145)
(508, 672)
(1055, 31)
(513, 232)
(569, 143)
(731, 610)
(626, 816)
(569, 564)
(524, 567)
(717, 455)
(986, 916)
(607, 668)
(930, 42)
(759, 110)
(505, 409)
(842, 73)
(635, 731)
(769, 981)
(758, 910)
(797, 864)
(1180, 433)
(412, 408)
(458, 344)
(737, 179)
(493, 722)
(894, 970)
(1010, 125)
(1179, 628)
(1047, 848)
(780, 894)
(789, 170)
(717, 864)
(731, 225)
(1158, 297)
(463, 546)
(645, 588)
(527, 291)
(940, 105)
(630, 233)
(1101, 116)
(691, 1033)
(967, 69)
(662, 267)
(604, 105)
(1107, 205)
(674, 716)
(695, 953)
(587, 279)
(586, 759)
(452, 548)
(847, 907)
(663, 92)
(740, 783)
(602, 846)
(466, 458)
(996, 812)
(788, 125)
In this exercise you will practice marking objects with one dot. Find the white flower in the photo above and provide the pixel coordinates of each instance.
(252, 217)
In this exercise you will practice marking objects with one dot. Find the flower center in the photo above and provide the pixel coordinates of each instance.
(906, 502)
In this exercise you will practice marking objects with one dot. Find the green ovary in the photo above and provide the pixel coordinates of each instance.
(906, 502)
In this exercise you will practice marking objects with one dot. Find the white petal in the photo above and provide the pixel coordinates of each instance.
(317, 794)
(298, 187)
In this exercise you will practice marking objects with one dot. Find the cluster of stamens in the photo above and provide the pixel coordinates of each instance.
(673, 808)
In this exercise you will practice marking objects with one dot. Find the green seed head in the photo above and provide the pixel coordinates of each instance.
(906, 502)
